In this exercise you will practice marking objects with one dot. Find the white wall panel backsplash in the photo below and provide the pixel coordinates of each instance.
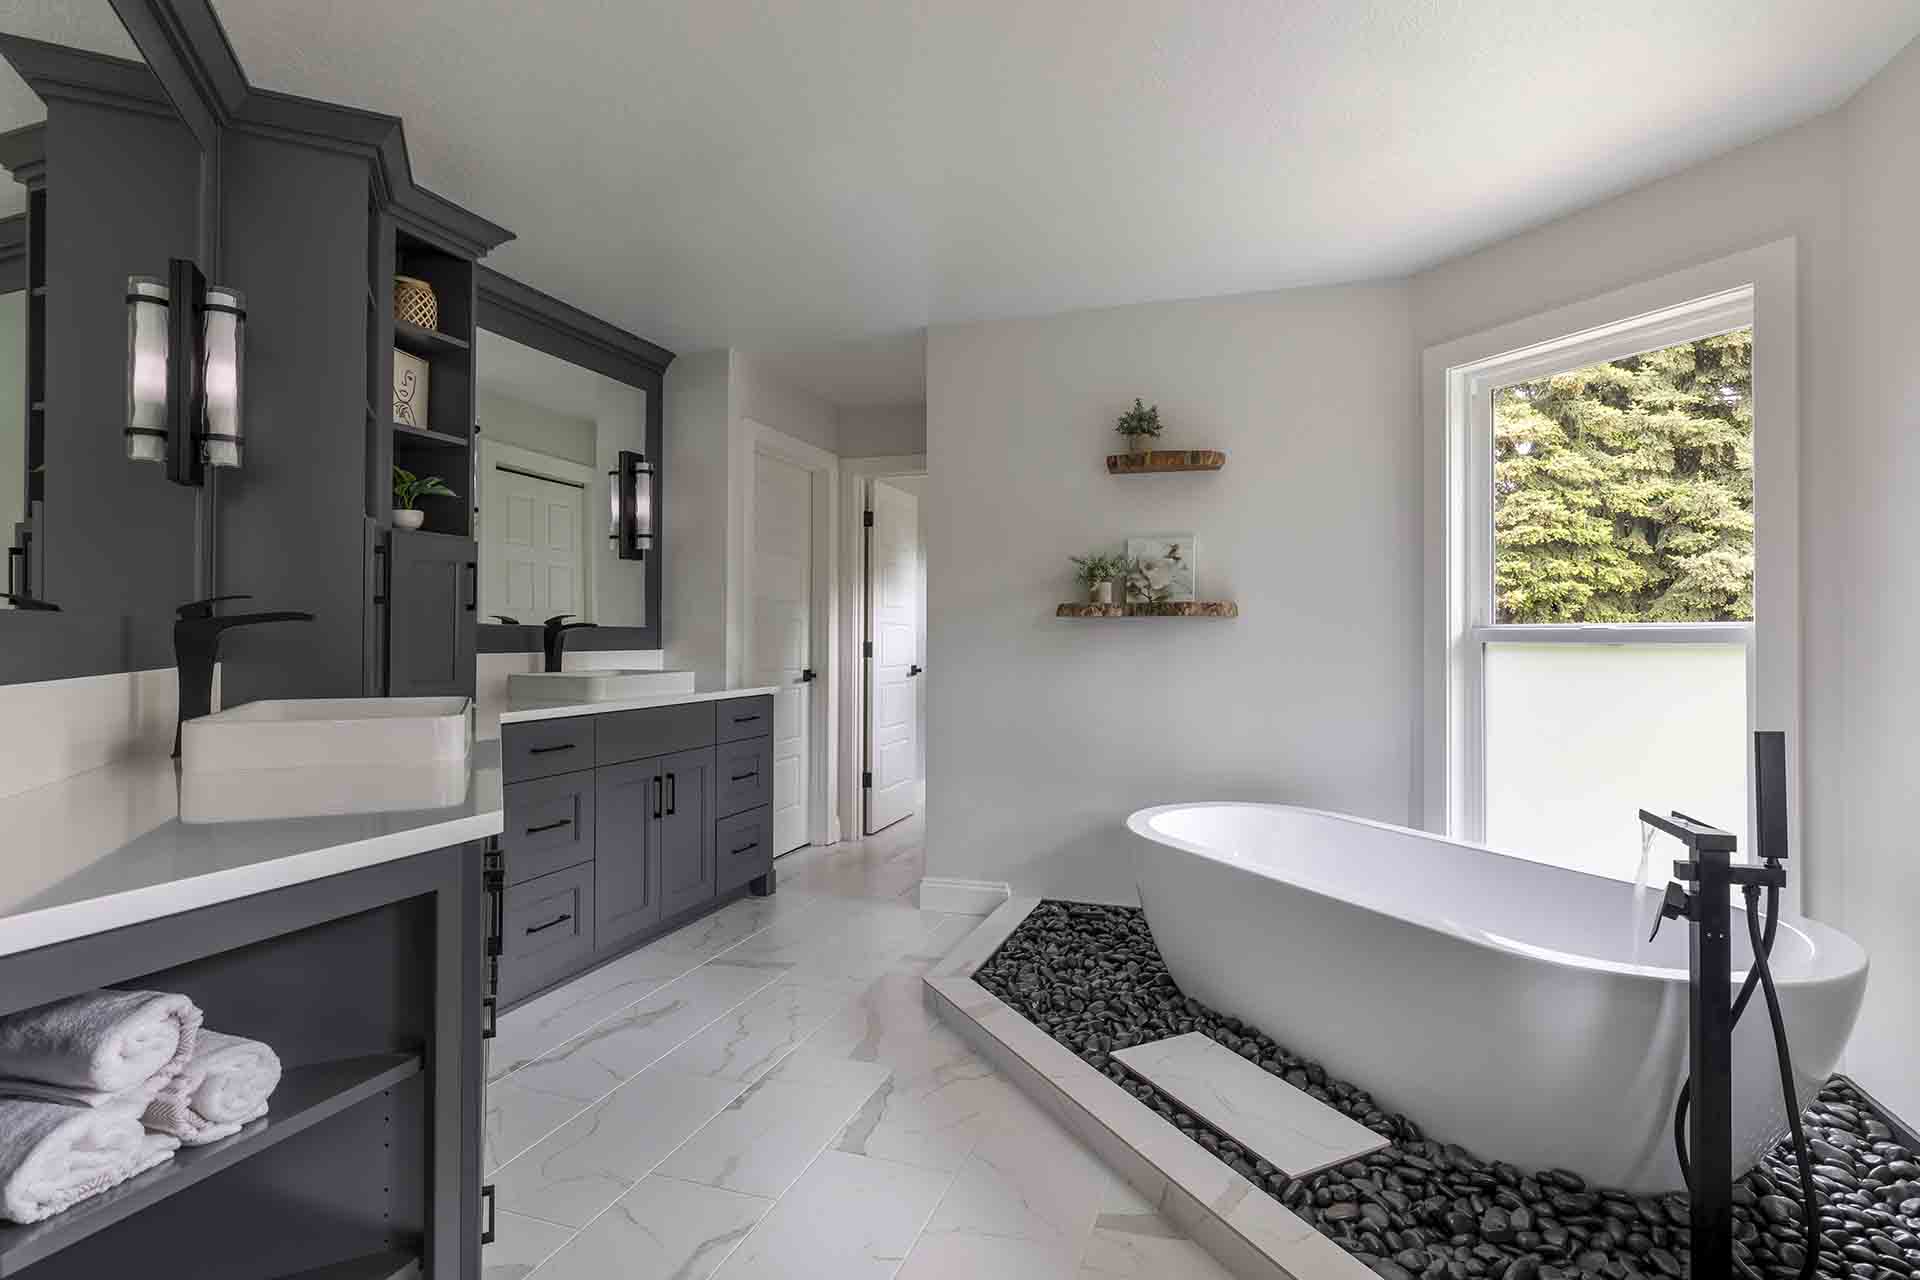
(54, 729)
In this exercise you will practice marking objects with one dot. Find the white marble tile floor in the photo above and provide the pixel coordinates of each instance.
(765, 1094)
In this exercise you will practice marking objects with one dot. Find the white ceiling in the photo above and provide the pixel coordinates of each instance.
(814, 181)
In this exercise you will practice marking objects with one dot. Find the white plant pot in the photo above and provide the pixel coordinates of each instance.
(403, 519)
(1100, 593)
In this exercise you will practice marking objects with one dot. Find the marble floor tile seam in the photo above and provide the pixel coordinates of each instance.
(586, 1106)
(772, 1202)
(646, 995)
(589, 1031)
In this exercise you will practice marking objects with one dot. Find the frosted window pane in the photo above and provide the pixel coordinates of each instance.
(1581, 737)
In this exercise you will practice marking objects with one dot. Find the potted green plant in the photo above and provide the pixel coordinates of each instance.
(1140, 425)
(1097, 573)
(408, 489)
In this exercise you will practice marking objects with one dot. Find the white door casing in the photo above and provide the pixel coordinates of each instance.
(893, 626)
(533, 532)
(781, 633)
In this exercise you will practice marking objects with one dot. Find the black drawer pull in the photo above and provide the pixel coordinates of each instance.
(549, 826)
(746, 848)
(659, 790)
(542, 928)
(563, 746)
(742, 777)
(745, 719)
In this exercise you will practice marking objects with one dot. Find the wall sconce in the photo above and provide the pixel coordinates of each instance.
(186, 356)
(631, 514)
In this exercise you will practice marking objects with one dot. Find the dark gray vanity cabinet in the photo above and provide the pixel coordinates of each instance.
(626, 872)
(432, 599)
(623, 825)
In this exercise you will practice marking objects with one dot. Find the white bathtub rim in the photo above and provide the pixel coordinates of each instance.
(1836, 957)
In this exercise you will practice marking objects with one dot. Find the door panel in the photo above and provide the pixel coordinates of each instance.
(626, 873)
(893, 594)
(430, 614)
(686, 830)
(534, 530)
(782, 633)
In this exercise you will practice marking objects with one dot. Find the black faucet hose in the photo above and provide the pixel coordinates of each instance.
(1760, 974)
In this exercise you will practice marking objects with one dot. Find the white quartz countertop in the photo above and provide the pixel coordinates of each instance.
(122, 844)
(520, 710)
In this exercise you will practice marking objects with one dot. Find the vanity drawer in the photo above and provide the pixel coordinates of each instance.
(743, 846)
(549, 824)
(542, 748)
(745, 718)
(655, 731)
(744, 777)
(549, 930)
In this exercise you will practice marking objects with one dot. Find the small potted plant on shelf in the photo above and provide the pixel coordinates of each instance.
(408, 489)
(1140, 425)
(1097, 573)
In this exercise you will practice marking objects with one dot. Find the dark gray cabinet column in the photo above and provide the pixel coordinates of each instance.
(686, 830)
(432, 594)
(626, 875)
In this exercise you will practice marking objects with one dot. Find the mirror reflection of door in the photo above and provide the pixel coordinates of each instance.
(533, 535)
(550, 432)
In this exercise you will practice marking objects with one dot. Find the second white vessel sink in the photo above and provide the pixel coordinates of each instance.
(295, 732)
(611, 685)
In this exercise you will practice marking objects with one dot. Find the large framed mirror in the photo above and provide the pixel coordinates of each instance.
(569, 445)
(103, 182)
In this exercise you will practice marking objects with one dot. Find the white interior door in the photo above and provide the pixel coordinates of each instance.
(782, 631)
(893, 624)
(533, 536)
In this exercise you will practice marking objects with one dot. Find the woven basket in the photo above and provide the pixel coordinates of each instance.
(413, 302)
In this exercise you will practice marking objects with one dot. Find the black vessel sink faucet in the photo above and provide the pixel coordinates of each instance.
(196, 647)
(556, 637)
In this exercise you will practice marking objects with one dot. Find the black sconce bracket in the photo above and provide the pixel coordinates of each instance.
(186, 380)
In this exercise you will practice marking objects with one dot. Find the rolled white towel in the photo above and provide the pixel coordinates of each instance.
(101, 1047)
(52, 1157)
(225, 1086)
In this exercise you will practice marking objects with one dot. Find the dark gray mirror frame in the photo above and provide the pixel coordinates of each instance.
(534, 319)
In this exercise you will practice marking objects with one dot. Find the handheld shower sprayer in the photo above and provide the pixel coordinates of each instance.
(1703, 1116)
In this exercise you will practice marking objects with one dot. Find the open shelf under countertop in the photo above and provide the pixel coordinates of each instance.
(307, 1096)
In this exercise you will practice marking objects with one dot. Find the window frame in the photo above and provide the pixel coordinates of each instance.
(1756, 288)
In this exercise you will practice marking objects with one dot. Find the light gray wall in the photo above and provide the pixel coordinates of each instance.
(694, 516)
(1047, 733)
(760, 395)
(887, 431)
(514, 421)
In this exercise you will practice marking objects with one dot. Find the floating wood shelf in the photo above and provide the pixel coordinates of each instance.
(424, 342)
(426, 438)
(307, 1096)
(1169, 609)
(1157, 461)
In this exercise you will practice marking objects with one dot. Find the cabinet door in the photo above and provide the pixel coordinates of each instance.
(686, 830)
(626, 800)
(431, 612)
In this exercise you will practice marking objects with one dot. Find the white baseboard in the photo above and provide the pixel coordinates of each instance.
(963, 897)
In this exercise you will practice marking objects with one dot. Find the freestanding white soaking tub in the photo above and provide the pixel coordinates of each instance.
(1509, 1006)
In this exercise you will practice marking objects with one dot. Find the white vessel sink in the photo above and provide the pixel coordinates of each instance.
(612, 685)
(299, 732)
(259, 795)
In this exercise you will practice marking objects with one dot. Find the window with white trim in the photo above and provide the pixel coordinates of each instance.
(1604, 537)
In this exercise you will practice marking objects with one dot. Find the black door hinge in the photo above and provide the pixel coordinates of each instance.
(866, 779)
(869, 516)
(493, 880)
(866, 650)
